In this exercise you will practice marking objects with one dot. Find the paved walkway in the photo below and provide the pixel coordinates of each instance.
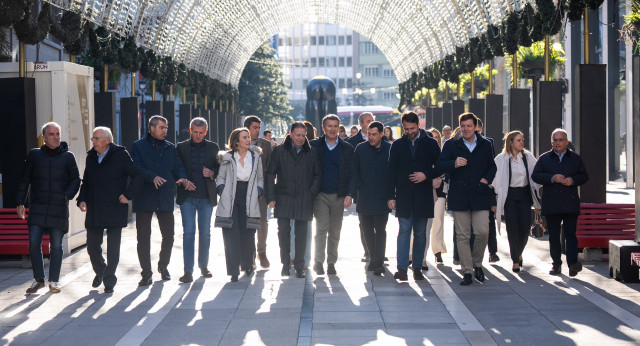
(351, 308)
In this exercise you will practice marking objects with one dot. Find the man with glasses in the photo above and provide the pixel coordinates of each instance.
(560, 171)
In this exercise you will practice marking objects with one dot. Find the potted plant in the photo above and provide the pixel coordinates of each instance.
(531, 60)
(631, 27)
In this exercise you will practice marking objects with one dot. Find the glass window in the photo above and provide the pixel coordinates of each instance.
(320, 40)
(341, 40)
(341, 83)
(349, 83)
(305, 40)
(388, 73)
(296, 41)
(304, 83)
(349, 61)
(289, 41)
(280, 42)
(341, 62)
(320, 62)
(371, 72)
(312, 40)
(349, 40)
(331, 62)
(331, 40)
(313, 62)
(370, 48)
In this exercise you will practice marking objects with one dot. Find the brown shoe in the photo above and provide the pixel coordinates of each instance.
(264, 261)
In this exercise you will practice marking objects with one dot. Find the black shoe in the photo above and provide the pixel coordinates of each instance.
(108, 289)
(234, 278)
(401, 275)
(164, 274)
(574, 269)
(364, 258)
(379, 271)
(300, 274)
(318, 268)
(205, 272)
(515, 269)
(479, 274)
(425, 267)
(386, 259)
(145, 282)
(285, 271)
(493, 258)
(331, 269)
(439, 258)
(466, 280)
(417, 274)
(97, 281)
(187, 277)
(555, 270)
(248, 272)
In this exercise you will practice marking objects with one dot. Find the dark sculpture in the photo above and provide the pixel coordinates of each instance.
(321, 100)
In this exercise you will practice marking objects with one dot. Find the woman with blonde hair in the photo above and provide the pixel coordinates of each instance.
(240, 185)
(516, 192)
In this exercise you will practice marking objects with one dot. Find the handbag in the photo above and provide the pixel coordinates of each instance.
(538, 229)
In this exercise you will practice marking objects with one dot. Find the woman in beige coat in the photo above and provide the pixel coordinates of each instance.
(240, 185)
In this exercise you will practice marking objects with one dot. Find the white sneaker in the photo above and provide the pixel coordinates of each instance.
(35, 286)
(53, 287)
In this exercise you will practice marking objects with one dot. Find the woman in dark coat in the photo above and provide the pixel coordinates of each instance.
(104, 196)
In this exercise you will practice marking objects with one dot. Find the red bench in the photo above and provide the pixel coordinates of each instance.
(14, 234)
(599, 223)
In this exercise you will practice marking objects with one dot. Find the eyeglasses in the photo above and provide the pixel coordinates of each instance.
(96, 138)
(557, 140)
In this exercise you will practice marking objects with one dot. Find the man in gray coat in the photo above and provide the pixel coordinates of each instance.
(253, 123)
(298, 170)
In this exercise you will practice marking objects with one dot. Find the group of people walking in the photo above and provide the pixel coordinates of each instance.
(417, 176)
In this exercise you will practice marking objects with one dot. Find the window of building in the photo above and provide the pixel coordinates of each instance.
(341, 62)
(371, 72)
(388, 73)
(349, 40)
(349, 83)
(370, 48)
(304, 83)
(389, 95)
(349, 61)
(312, 40)
(320, 62)
(341, 40)
(341, 83)
(305, 40)
(320, 40)
(289, 41)
(280, 42)
(296, 41)
(331, 62)
(331, 40)
(312, 62)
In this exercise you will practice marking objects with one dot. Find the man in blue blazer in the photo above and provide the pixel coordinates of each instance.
(469, 162)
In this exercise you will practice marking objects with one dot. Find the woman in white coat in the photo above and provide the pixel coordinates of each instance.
(240, 185)
(516, 192)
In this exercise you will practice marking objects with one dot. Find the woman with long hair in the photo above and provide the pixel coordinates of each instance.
(516, 192)
(240, 185)
(388, 132)
(436, 224)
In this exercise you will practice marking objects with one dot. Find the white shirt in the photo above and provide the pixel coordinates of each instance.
(518, 172)
(244, 172)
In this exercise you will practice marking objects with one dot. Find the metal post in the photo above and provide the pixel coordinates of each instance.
(133, 84)
(473, 84)
(72, 58)
(514, 71)
(490, 76)
(22, 64)
(459, 86)
(446, 91)
(587, 56)
(547, 49)
(205, 102)
(171, 92)
(195, 100)
(153, 90)
(105, 78)
(184, 95)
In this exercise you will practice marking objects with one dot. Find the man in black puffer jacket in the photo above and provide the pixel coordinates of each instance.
(560, 171)
(104, 196)
(50, 178)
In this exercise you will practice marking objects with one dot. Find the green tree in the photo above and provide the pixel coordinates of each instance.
(262, 89)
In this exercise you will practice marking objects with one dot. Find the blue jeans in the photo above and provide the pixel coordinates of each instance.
(35, 252)
(419, 227)
(188, 210)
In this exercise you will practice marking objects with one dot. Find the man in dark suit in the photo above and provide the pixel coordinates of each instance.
(469, 161)
(364, 120)
(199, 158)
(104, 196)
(253, 123)
(560, 171)
(410, 191)
(158, 160)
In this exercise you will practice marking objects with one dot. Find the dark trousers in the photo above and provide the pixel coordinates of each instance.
(362, 238)
(569, 223)
(94, 248)
(492, 241)
(143, 228)
(239, 241)
(375, 234)
(517, 217)
(284, 235)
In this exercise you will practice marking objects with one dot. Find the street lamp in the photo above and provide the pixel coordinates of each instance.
(357, 90)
